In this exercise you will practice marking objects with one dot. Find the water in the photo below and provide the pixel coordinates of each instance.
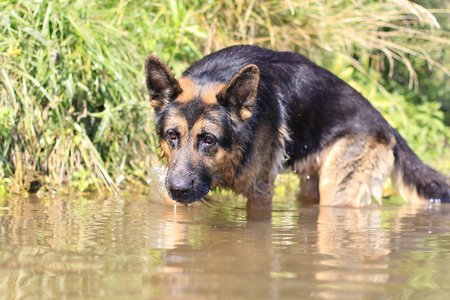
(137, 248)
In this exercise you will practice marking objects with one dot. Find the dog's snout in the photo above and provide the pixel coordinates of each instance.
(180, 186)
(185, 183)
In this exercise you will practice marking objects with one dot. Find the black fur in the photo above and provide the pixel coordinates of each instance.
(429, 183)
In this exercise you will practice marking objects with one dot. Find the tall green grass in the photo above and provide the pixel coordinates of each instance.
(74, 113)
(75, 110)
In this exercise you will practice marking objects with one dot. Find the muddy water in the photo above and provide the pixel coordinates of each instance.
(137, 248)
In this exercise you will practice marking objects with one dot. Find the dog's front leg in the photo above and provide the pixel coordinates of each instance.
(260, 194)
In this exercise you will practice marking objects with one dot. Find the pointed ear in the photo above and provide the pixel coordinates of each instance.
(238, 96)
(161, 84)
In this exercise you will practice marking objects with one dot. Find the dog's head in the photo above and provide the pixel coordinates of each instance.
(198, 124)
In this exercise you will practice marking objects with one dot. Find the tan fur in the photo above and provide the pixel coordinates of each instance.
(245, 114)
(176, 121)
(155, 103)
(347, 173)
(353, 170)
(165, 149)
(226, 163)
(210, 92)
(408, 192)
(191, 90)
(198, 127)
(308, 170)
(203, 125)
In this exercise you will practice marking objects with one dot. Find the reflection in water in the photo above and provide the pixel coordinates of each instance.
(356, 239)
(137, 248)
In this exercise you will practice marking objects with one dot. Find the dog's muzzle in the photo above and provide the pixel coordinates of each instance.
(186, 190)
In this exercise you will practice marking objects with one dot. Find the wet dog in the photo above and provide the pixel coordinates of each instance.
(240, 116)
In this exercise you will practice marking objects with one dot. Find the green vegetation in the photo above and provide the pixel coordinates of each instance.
(74, 112)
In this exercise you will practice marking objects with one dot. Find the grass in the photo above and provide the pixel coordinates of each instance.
(74, 113)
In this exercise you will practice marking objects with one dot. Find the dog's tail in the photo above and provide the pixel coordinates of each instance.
(414, 179)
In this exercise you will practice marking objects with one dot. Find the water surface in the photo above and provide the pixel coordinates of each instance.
(137, 248)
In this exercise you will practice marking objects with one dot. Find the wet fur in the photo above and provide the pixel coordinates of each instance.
(270, 111)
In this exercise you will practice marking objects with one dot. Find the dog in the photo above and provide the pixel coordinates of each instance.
(240, 116)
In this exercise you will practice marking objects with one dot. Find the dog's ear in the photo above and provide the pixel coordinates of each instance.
(238, 96)
(161, 84)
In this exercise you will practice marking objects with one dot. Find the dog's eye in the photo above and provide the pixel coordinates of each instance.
(172, 135)
(209, 140)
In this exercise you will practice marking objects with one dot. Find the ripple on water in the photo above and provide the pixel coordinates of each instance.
(135, 247)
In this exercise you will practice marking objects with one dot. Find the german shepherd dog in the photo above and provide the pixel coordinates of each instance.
(239, 116)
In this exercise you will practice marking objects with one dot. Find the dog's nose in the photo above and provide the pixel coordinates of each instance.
(180, 187)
